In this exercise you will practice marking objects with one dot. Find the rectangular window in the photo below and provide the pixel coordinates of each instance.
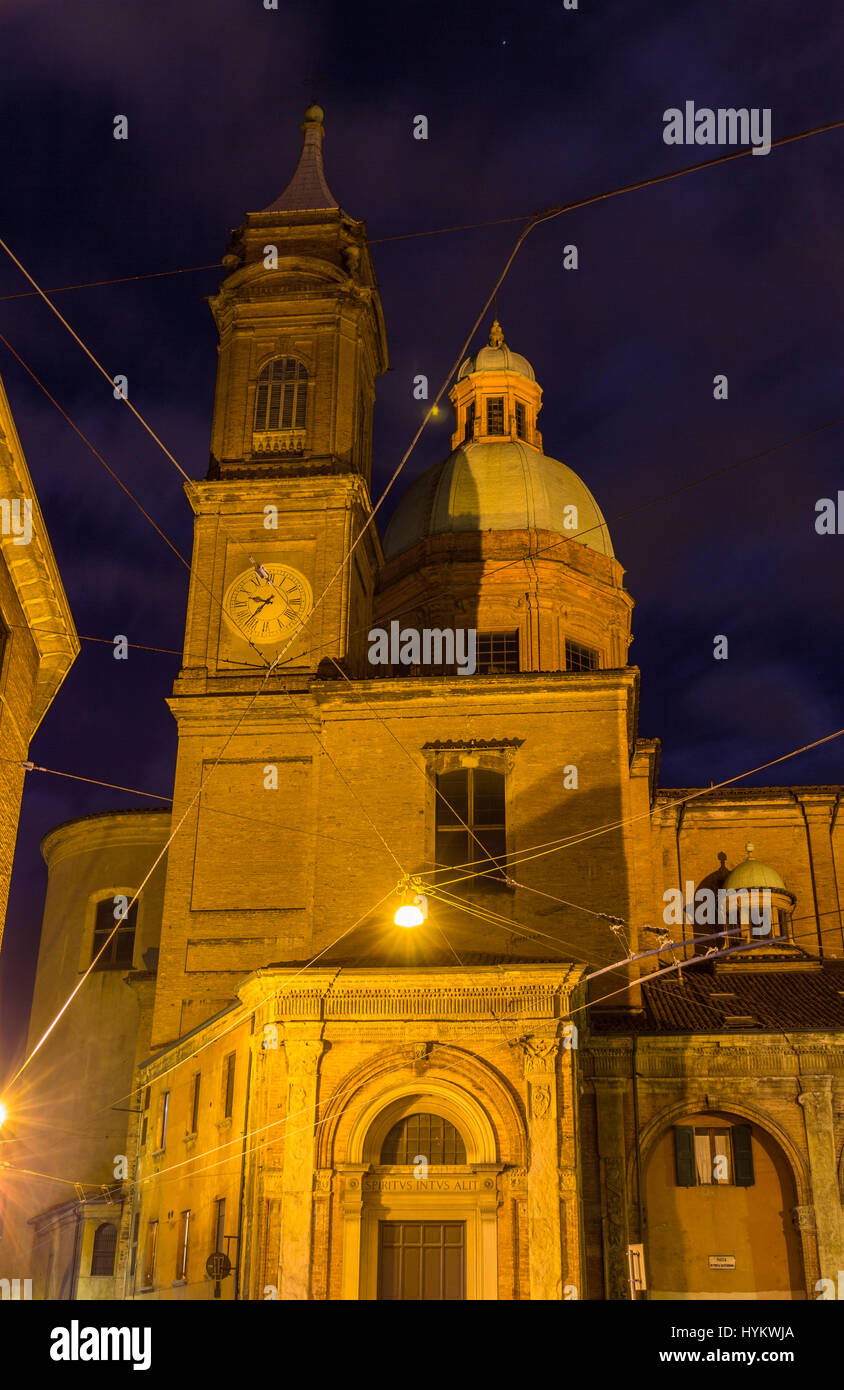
(713, 1156)
(161, 1120)
(495, 415)
(579, 658)
(470, 826)
(497, 653)
(194, 1103)
(220, 1224)
(133, 1258)
(149, 1254)
(469, 432)
(121, 948)
(145, 1120)
(521, 420)
(228, 1085)
(182, 1246)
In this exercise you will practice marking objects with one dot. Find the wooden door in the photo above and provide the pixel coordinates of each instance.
(422, 1260)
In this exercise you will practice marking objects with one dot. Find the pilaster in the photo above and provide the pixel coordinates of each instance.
(544, 1226)
(816, 1100)
(303, 1057)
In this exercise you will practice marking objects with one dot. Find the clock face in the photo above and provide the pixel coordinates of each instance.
(267, 610)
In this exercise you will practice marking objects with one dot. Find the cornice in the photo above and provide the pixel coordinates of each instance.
(103, 831)
(35, 576)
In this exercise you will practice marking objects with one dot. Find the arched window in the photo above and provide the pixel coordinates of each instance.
(105, 1244)
(120, 949)
(423, 1136)
(282, 395)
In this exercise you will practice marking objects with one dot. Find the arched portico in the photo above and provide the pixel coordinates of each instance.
(722, 1224)
(435, 1203)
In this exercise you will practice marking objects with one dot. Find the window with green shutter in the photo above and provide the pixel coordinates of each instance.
(743, 1156)
(684, 1155)
(713, 1156)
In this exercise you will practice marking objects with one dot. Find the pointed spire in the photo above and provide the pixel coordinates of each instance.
(307, 191)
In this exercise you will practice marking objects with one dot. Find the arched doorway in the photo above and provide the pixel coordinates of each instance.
(422, 1225)
(719, 1196)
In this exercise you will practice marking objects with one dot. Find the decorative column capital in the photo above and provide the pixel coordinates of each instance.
(539, 1054)
(803, 1217)
(303, 1055)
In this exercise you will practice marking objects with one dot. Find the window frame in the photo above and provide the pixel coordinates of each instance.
(95, 1253)
(182, 1246)
(741, 1165)
(133, 1243)
(493, 403)
(572, 645)
(150, 1253)
(274, 388)
(510, 659)
(492, 878)
(449, 1137)
(219, 1224)
(126, 931)
(161, 1117)
(196, 1082)
(228, 1078)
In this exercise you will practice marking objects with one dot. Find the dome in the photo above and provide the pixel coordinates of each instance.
(752, 873)
(497, 357)
(502, 485)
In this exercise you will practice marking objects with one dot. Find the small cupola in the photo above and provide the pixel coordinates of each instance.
(496, 396)
(758, 900)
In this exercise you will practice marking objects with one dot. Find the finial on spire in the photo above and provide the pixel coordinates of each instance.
(307, 190)
(496, 337)
(750, 848)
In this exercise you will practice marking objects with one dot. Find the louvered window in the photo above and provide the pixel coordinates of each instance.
(282, 395)
(105, 1245)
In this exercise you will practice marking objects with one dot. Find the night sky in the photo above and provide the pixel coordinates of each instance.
(728, 271)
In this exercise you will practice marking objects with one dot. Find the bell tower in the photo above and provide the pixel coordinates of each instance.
(301, 342)
(286, 496)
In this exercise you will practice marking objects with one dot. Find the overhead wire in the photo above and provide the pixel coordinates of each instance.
(518, 858)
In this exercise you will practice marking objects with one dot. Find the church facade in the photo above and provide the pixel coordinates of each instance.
(520, 1095)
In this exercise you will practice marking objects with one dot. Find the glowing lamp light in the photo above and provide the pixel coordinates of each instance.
(412, 911)
(408, 915)
(3, 1114)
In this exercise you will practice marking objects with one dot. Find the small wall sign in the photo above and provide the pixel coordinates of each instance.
(722, 1261)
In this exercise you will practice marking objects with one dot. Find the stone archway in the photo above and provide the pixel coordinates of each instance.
(720, 1240)
(465, 1195)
